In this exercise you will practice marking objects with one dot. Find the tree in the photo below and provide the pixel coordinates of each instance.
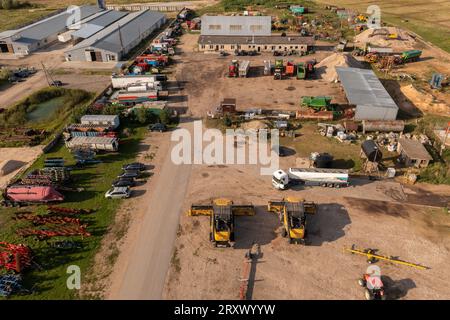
(227, 121)
(142, 115)
(7, 4)
(164, 117)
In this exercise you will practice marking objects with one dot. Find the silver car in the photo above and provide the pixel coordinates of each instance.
(118, 193)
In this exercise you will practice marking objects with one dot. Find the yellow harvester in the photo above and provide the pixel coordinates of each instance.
(222, 213)
(292, 214)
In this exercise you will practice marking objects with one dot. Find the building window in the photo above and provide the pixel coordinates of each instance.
(255, 27)
(279, 47)
(273, 47)
(214, 27)
(265, 47)
(211, 46)
(222, 46)
(296, 47)
(203, 46)
(232, 47)
(235, 27)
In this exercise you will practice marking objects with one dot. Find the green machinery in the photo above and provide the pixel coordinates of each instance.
(317, 103)
(411, 55)
(301, 71)
(279, 69)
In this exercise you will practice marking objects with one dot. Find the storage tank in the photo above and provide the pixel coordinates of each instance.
(383, 126)
(371, 151)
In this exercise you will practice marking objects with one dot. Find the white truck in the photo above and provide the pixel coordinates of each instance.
(244, 66)
(267, 67)
(124, 81)
(310, 176)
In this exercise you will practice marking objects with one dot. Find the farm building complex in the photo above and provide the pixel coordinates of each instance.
(229, 33)
(116, 40)
(365, 91)
(258, 43)
(40, 34)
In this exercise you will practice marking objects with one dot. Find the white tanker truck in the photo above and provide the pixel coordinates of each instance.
(310, 176)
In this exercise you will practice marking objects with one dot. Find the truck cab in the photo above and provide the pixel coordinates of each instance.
(280, 180)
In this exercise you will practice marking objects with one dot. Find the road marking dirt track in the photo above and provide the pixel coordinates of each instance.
(149, 261)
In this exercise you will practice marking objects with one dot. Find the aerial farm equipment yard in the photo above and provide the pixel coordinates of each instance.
(346, 178)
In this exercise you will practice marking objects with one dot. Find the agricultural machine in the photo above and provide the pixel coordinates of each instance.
(233, 69)
(15, 257)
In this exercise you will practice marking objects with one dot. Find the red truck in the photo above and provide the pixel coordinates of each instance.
(18, 194)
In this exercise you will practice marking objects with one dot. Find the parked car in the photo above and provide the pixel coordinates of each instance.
(134, 166)
(158, 127)
(56, 83)
(123, 183)
(118, 193)
(129, 174)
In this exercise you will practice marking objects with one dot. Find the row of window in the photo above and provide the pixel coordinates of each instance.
(236, 27)
(211, 46)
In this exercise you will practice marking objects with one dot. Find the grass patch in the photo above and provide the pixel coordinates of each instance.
(12, 19)
(50, 282)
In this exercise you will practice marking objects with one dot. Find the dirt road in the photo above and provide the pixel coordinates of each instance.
(149, 260)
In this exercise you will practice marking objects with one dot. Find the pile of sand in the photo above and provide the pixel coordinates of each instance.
(327, 67)
(379, 38)
(424, 101)
(254, 125)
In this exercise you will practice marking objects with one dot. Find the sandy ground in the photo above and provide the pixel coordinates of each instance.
(377, 215)
(53, 58)
(24, 155)
(206, 83)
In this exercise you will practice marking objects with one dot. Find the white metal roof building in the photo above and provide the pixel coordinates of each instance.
(116, 40)
(236, 25)
(364, 90)
(41, 33)
(94, 119)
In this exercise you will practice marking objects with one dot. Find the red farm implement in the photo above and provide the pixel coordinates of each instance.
(15, 257)
(53, 232)
(40, 220)
(68, 211)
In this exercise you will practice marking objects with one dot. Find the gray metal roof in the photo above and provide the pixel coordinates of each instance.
(99, 117)
(236, 25)
(414, 149)
(51, 25)
(98, 23)
(131, 26)
(363, 87)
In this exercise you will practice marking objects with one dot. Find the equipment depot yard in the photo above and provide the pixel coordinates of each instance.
(225, 231)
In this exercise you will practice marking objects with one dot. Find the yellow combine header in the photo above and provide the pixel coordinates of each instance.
(222, 212)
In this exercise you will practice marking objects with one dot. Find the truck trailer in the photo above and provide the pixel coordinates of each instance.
(137, 96)
(121, 82)
(244, 66)
(310, 176)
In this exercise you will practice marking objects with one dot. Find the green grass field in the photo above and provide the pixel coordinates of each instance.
(429, 19)
(48, 281)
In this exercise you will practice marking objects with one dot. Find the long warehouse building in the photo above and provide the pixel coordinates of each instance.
(230, 33)
(366, 92)
(40, 34)
(115, 41)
